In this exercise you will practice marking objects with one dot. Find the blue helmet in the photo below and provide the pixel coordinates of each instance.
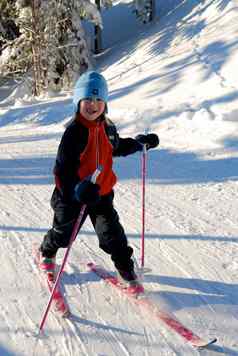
(90, 85)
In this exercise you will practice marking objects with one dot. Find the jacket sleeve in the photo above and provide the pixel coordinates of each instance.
(121, 146)
(67, 164)
(127, 146)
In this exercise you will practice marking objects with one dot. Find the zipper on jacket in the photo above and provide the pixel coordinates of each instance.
(97, 145)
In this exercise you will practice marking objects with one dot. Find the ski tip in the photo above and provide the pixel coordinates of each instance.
(213, 341)
(201, 345)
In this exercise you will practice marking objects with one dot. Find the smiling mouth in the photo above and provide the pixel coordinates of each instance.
(91, 112)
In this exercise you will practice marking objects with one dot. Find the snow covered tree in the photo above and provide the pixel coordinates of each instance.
(8, 27)
(52, 44)
(67, 52)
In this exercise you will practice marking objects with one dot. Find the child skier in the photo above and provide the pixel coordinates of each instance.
(90, 141)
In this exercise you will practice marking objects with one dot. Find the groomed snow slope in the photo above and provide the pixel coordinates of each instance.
(178, 78)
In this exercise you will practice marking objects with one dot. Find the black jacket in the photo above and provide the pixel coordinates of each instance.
(73, 143)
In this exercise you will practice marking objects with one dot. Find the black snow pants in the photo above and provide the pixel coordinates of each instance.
(111, 235)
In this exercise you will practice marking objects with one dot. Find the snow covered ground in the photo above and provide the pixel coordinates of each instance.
(177, 77)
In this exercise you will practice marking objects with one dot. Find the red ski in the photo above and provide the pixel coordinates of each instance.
(59, 302)
(141, 299)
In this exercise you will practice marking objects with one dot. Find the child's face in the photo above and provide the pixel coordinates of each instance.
(91, 109)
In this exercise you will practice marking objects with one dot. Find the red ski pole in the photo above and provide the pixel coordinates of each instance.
(72, 238)
(143, 207)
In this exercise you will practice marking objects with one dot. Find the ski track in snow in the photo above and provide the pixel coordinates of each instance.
(191, 205)
(68, 336)
(72, 338)
(186, 220)
(111, 300)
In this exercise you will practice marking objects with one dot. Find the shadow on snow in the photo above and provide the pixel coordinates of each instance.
(230, 239)
(164, 167)
(46, 113)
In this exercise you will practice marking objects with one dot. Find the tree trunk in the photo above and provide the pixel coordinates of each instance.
(98, 33)
(36, 49)
(152, 10)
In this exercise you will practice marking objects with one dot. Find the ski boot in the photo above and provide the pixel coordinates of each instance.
(130, 280)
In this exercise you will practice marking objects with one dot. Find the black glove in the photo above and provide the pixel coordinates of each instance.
(87, 192)
(150, 140)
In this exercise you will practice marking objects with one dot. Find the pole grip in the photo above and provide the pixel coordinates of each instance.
(94, 176)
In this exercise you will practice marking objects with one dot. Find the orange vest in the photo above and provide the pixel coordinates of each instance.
(98, 151)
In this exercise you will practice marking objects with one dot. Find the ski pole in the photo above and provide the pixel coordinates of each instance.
(72, 238)
(143, 207)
